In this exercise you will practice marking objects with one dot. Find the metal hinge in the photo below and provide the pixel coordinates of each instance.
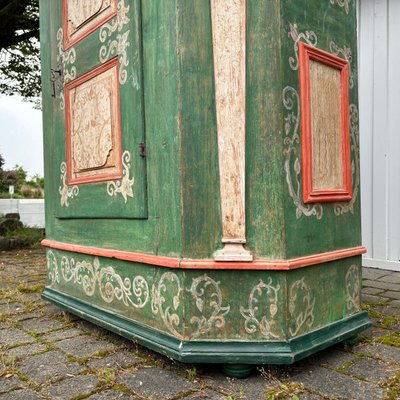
(142, 150)
(57, 79)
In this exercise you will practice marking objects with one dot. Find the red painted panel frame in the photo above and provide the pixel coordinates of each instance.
(85, 32)
(71, 85)
(311, 195)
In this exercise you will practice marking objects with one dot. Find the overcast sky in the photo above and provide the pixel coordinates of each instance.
(21, 135)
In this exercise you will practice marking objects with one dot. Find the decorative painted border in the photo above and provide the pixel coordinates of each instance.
(106, 176)
(291, 102)
(178, 263)
(341, 3)
(309, 53)
(84, 32)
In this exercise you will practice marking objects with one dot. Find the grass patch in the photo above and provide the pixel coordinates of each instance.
(390, 340)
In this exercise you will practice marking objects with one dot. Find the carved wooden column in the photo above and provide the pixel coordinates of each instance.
(229, 47)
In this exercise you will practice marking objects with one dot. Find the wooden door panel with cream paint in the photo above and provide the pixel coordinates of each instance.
(98, 112)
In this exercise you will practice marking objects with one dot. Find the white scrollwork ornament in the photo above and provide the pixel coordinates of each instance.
(66, 192)
(308, 37)
(262, 310)
(341, 3)
(91, 277)
(208, 299)
(346, 54)
(119, 45)
(290, 99)
(166, 301)
(345, 207)
(124, 186)
(53, 275)
(353, 289)
(301, 307)
(65, 59)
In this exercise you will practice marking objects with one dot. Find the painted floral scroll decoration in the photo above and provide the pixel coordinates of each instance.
(123, 186)
(341, 3)
(66, 192)
(301, 308)
(262, 310)
(353, 289)
(65, 61)
(290, 99)
(343, 208)
(207, 296)
(344, 52)
(105, 280)
(119, 45)
(292, 162)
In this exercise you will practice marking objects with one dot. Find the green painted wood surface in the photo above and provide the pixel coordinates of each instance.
(176, 206)
(221, 304)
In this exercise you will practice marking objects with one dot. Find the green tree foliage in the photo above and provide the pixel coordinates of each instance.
(17, 177)
(19, 48)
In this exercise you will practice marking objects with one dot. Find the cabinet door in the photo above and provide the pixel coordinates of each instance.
(98, 149)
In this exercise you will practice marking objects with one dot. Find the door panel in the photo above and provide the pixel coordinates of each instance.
(98, 123)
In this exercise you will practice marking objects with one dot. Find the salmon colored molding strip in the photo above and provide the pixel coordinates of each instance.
(172, 262)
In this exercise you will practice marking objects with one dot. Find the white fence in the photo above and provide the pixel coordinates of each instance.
(379, 56)
(31, 211)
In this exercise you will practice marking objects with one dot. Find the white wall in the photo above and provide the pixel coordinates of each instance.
(31, 210)
(379, 90)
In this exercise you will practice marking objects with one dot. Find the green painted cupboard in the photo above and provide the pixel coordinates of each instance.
(202, 173)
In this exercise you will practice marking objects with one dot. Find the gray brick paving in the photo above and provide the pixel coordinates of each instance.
(156, 383)
(65, 357)
(334, 384)
(50, 366)
(72, 387)
(372, 370)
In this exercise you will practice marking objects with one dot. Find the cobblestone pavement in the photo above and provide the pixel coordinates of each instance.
(49, 354)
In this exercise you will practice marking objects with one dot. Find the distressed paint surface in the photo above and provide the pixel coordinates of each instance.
(169, 203)
(190, 305)
(326, 127)
(229, 48)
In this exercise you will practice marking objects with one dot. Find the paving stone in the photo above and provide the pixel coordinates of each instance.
(62, 334)
(21, 395)
(84, 346)
(392, 295)
(41, 325)
(205, 395)
(11, 307)
(334, 384)
(393, 312)
(373, 273)
(393, 277)
(253, 387)
(26, 350)
(50, 366)
(371, 290)
(119, 360)
(367, 298)
(333, 358)
(380, 284)
(156, 383)
(7, 384)
(72, 387)
(309, 396)
(112, 395)
(12, 337)
(382, 351)
(372, 370)
(375, 332)
(394, 303)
